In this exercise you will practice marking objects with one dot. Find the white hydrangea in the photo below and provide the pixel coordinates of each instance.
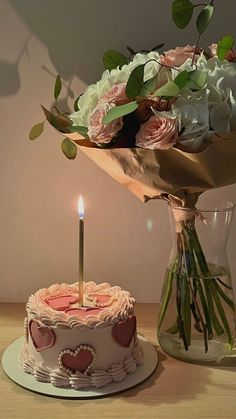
(90, 98)
(221, 87)
(201, 64)
(192, 111)
(219, 105)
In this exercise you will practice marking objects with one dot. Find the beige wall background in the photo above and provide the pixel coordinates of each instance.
(127, 242)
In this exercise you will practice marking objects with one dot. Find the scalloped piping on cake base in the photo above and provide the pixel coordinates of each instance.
(98, 378)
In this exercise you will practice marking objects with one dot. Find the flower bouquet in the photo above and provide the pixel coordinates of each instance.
(164, 126)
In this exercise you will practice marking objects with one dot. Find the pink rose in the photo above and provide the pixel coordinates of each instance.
(158, 133)
(230, 56)
(178, 56)
(116, 94)
(97, 131)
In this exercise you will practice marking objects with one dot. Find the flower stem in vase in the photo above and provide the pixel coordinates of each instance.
(197, 301)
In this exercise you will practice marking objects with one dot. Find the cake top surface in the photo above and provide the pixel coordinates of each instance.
(58, 305)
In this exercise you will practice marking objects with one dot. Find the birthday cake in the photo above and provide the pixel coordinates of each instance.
(78, 347)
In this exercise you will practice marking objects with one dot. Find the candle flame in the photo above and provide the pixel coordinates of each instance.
(80, 207)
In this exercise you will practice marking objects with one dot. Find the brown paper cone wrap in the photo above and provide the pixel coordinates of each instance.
(152, 174)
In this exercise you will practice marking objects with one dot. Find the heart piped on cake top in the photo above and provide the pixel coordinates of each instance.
(82, 313)
(61, 303)
(123, 332)
(79, 360)
(42, 336)
(101, 300)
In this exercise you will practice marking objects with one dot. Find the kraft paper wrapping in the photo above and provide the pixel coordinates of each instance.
(152, 174)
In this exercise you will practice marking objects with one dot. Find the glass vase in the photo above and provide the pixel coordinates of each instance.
(196, 321)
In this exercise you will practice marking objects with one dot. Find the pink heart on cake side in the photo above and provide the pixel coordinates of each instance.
(61, 303)
(123, 332)
(81, 359)
(42, 336)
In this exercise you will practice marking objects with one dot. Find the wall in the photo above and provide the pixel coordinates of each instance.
(127, 242)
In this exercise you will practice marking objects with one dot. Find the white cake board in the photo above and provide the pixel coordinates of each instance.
(13, 369)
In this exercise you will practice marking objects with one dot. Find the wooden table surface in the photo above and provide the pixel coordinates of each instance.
(175, 390)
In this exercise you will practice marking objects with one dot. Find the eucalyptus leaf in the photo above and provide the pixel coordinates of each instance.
(131, 50)
(182, 11)
(59, 122)
(119, 111)
(36, 131)
(157, 47)
(81, 130)
(113, 59)
(57, 87)
(149, 86)
(76, 107)
(135, 82)
(170, 89)
(197, 79)
(182, 79)
(224, 46)
(69, 148)
(204, 18)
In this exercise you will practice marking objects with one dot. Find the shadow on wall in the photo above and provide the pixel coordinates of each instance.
(77, 32)
(10, 77)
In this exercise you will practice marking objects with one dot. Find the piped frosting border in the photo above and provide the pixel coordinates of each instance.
(120, 308)
(97, 378)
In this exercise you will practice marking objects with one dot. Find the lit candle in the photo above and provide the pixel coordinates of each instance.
(80, 208)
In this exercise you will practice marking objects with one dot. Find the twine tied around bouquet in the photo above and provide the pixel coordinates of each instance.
(185, 214)
(184, 209)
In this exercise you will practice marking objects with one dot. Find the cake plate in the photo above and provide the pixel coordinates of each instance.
(13, 369)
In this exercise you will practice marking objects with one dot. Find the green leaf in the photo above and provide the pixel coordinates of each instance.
(57, 87)
(182, 11)
(204, 18)
(157, 47)
(119, 111)
(81, 130)
(135, 82)
(36, 131)
(149, 86)
(224, 46)
(182, 79)
(169, 89)
(76, 107)
(197, 79)
(69, 148)
(59, 122)
(113, 59)
(131, 50)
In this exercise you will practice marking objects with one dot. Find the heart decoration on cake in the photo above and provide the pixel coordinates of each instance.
(62, 302)
(79, 360)
(42, 336)
(83, 312)
(123, 332)
(100, 300)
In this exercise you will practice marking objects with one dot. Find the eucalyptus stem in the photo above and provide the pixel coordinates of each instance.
(168, 283)
(212, 292)
(198, 293)
(180, 321)
(189, 273)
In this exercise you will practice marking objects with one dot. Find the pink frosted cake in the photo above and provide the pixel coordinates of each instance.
(69, 346)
